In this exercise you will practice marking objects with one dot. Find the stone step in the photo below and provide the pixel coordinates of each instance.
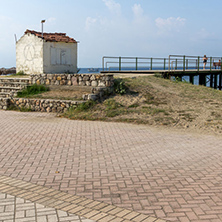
(4, 95)
(2, 79)
(10, 89)
(7, 94)
(13, 84)
(84, 89)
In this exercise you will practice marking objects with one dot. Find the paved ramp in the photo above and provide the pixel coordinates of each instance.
(164, 174)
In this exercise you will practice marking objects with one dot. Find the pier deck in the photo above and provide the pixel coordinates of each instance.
(171, 72)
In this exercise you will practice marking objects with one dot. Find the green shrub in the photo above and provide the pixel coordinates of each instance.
(120, 87)
(32, 90)
(85, 106)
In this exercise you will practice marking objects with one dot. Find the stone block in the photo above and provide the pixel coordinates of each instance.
(47, 82)
(86, 78)
(48, 110)
(63, 82)
(88, 83)
(69, 83)
(92, 97)
(93, 77)
(82, 83)
(102, 83)
(85, 96)
(94, 83)
(74, 81)
(57, 82)
(54, 109)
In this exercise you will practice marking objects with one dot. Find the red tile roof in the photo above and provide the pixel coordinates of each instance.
(52, 37)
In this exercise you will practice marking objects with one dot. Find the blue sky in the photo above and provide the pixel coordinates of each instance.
(151, 28)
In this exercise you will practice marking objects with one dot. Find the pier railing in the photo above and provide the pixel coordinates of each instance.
(182, 62)
(172, 63)
(110, 63)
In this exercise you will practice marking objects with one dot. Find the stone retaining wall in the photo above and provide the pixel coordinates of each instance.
(94, 80)
(4, 103)
(100, 85)
(41, 105)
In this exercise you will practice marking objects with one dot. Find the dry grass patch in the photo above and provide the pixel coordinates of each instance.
(157, 101)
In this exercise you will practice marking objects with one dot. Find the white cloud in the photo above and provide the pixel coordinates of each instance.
(113, 6)
(170, 24)
(89, 23)
(137, 10)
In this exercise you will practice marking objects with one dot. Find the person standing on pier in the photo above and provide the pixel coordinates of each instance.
(204, 61)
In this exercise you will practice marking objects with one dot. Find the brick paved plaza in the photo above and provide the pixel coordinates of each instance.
(170, 175)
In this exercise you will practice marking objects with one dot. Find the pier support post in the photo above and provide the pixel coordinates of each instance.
(191, 78)
(202, 79)
(211, 80)
(215, 81)
(220, 81)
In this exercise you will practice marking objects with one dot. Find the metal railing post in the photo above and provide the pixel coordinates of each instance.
(169, 63)
(151, 63)
(198, 63)
(103, 63)
(136, 63)
(119, 63)
(210, 63)
(176, 65)
(164, 65)
(184, 57)
(220, 63)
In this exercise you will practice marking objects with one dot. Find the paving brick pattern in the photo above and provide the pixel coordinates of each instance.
(31, 202)
(14, 209)
(166, 174)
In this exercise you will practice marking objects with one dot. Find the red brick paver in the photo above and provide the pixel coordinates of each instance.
(169, 175)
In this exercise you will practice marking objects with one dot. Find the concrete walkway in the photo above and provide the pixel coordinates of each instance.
(151, 173)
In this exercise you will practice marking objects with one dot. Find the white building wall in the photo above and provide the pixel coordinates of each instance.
(59, 57)
(29, 54)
